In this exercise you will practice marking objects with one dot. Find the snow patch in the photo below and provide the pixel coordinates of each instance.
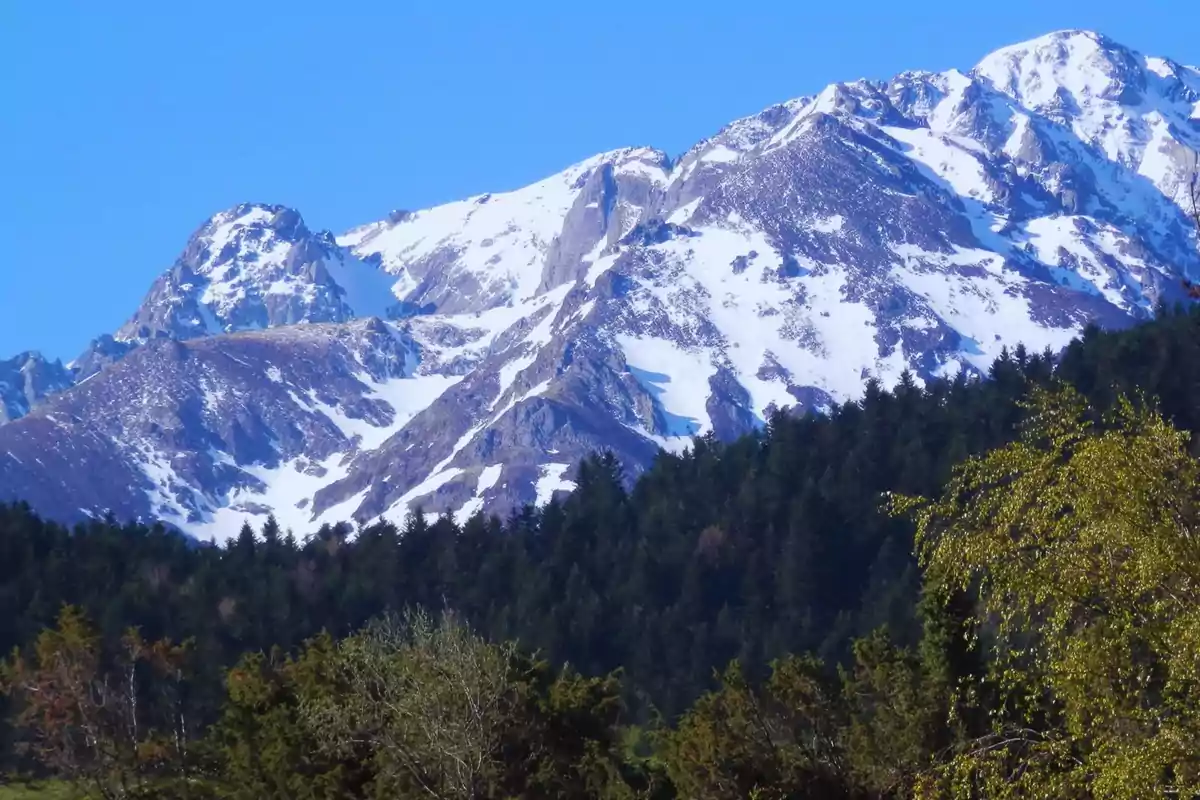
(677, 379)
(488, 478)
(551, 480)
(721, 155)
(831, 224)
(682, 214)
(400, 509)
(368, 291)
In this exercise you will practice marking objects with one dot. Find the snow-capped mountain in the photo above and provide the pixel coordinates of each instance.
(465, 357)
(255, 267)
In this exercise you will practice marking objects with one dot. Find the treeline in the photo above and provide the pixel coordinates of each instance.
(767, 548)
(1059, 656)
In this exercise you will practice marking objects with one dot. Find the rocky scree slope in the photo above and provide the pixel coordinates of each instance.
(463, 358)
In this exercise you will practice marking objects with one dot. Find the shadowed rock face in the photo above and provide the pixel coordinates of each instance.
(101, 352)
(26, 381)
(464, 358)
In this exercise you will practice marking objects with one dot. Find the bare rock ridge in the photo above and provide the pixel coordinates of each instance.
(26, 381)
(464, 358)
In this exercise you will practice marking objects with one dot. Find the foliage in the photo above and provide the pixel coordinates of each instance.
(893, 718)
(781, 741)
(265, 749)
(1081, 543)
(36, 790)
(112, 723)
(446, 714)
(428, 699)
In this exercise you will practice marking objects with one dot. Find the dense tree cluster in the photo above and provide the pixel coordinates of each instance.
(748, 619)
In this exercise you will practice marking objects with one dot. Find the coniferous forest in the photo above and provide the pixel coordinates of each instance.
(984, 587)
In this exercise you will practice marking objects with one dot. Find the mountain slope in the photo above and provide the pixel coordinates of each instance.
(632, 302)
(196, 431)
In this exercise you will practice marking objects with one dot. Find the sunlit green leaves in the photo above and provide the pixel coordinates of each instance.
(1080, 542)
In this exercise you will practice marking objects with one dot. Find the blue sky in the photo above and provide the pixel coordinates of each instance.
(126, 124)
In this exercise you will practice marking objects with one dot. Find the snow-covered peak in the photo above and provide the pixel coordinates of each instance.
(1085, 79)
(253, 233)
(258, 266)
(1079, 64)
(746, 133)
(1141, 112)
(645, 162)
(247, 214)
(491, 250)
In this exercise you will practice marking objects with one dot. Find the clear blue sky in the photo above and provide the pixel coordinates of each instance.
(125, 125)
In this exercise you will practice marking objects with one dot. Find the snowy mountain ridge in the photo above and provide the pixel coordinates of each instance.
(464, 358)
(254, 267)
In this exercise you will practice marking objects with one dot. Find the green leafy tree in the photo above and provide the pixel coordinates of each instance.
(782, 741)
(442, 713)
(264, 747)
(894, 716)
(1081, 541)
(564, 740)
(427, 697)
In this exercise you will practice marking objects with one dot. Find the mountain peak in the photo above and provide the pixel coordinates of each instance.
(26, 380)
(249, 212)
(254, 266)
(629, 302)
(27, 357)
(1140, 111)
(244, 228)
(1067, 67)
(252, 215)
(1058, 43)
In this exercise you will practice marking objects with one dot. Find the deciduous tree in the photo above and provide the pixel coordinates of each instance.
(115, 724)
(1081, 542)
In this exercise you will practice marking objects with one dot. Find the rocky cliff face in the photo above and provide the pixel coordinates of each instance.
(464, 358)
(26, 381)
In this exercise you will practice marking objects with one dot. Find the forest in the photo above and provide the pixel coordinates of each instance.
(984, 587)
